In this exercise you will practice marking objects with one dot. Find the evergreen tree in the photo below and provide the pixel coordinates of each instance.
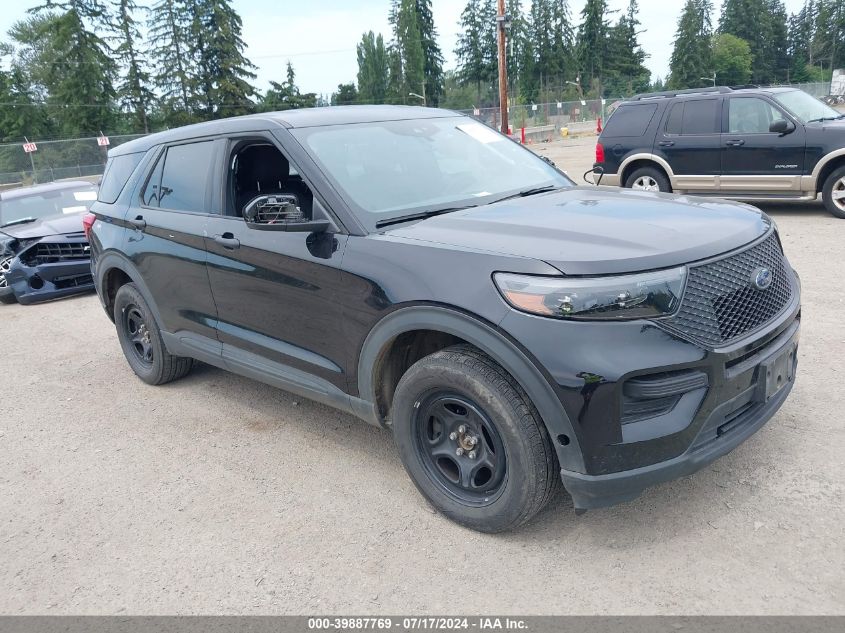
(133, 91)
(592, 40)
(286, 95)
(691, 56)
(222, 85)
(625, 71)
(761, 23)
(432, 56)
(469, 51)
(80, 79)
(373, 69)
(169, 42)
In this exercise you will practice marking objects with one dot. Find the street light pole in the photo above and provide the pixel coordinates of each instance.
(501, 21)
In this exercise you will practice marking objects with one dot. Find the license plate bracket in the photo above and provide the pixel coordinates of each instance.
(778, 371)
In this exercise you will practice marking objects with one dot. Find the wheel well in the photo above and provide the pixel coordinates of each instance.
(398, 356)
(828, 169)
(636, 164)
(112, 281)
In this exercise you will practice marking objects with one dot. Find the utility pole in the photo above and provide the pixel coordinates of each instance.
(503, 23)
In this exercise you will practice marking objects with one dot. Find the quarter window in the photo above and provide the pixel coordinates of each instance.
(117, 173)
(180, 180)
(630, 120)
(751, 115)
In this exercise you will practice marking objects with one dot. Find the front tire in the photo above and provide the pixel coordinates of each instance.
(648, 179)
(7, 295)
(472, 442)
(141, 340)
(833, 193)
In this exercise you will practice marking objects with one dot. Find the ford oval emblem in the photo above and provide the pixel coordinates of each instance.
(761, 278)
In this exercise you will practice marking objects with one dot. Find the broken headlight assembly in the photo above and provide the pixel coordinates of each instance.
(639, 296)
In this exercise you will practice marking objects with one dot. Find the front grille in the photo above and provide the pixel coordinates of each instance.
(50, 253)
(721, 303)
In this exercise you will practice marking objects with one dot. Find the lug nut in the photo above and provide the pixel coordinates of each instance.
(472, 454)
(459, 451)
(462, 429)
(473, 440)
(453, 436)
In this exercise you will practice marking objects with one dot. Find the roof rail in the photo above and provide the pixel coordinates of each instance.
(677, 93)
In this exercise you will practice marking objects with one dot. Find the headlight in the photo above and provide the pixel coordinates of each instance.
(641, 296)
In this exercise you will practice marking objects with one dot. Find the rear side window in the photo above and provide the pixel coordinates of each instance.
(630, 120)
(693, 118)
(117, 173)
(180, 179)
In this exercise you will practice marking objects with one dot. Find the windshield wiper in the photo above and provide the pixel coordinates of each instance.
(827, 118)
(421, 216)
(14, 222)
(530, 192)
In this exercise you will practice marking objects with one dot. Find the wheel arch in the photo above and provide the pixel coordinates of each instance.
(644, 160)
(827, 166)
(446, 326)
(112, 272)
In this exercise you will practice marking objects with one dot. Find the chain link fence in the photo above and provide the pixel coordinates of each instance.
(55, 160)
(542, 122)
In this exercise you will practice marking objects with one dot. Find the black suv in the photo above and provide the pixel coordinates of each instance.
(420, 271)
(757, 144)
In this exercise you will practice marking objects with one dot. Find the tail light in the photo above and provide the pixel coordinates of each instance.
(599, 153)
(87, 222)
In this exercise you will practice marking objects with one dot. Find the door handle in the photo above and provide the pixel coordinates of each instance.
(666, 143)
(139, 223)
(227, 240)
(737, 142)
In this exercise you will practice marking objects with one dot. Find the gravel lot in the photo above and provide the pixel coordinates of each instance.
(219, 495)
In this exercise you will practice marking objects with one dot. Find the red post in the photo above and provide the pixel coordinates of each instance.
(598, 125)
(522, 136)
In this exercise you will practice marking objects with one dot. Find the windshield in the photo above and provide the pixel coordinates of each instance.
(395, 168)
(805, 107)
(44, 203)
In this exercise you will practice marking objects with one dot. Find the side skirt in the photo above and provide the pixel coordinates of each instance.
(269, 372)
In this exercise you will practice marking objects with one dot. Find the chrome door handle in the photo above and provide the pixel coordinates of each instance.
(735, 143)
(227, 240)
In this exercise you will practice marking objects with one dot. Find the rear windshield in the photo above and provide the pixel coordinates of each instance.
(117, 173)
(630, 120)
(45, 203)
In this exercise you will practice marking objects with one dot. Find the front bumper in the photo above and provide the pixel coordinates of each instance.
(34, 279)
(725, 428)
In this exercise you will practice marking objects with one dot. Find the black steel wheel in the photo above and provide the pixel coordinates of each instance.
(460, 447)
(472, 441)
(141, 340)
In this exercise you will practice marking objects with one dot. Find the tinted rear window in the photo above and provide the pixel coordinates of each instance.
(693, 117)
(700, 117)
(185, 177)
(117, 173)
(630, 120)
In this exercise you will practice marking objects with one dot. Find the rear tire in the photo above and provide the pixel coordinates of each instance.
(833, 193)
(141, 340)
(648, 179)
(508, 468)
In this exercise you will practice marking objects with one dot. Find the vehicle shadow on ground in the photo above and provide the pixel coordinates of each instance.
(705, 498)
(805, 209)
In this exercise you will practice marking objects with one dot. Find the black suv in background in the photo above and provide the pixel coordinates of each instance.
(421, 271)
(756, 144)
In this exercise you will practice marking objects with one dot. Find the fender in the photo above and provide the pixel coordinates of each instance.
(491, 342)
(109, 261)
(646, 156)
(813, 183)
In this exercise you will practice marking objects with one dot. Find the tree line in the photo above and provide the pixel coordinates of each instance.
(75, 67)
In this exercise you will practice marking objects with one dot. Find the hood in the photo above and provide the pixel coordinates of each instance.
(591, 230)
(51, 225)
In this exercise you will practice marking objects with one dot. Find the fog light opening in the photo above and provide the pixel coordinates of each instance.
(36, 283)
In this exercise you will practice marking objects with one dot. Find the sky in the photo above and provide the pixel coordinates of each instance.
(319, 36)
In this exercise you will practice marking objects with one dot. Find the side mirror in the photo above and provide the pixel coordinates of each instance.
(280, 213)
(781, 126)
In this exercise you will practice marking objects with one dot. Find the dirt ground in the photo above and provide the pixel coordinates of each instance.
(219, 495)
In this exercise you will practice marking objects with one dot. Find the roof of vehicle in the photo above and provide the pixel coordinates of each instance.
(34, 190)
(301, 118)
(670, 94)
